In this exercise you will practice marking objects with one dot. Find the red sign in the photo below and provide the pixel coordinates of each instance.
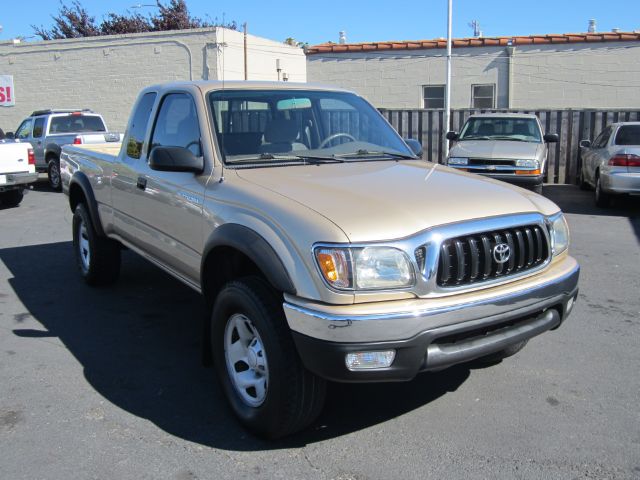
(7, 95)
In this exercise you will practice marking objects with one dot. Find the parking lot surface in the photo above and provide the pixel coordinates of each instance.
(108, 383)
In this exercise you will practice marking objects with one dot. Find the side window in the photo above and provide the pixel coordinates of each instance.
(38, 127)
(24, 130)
(433, 96)
(177, 124)
(138, 125)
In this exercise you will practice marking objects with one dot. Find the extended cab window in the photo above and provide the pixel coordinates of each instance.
(24, 130)
(139, 123)
(177, 124)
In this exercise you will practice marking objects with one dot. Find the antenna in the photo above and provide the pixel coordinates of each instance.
(476, 28)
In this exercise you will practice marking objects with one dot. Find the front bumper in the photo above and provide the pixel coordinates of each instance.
(11, 181)
(436, 333)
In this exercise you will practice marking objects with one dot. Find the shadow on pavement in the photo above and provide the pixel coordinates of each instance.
(573, 200)
(139, 344)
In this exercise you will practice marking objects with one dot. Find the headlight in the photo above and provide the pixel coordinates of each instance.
(457, 161)
(559, 234)
(527, 163)
(364, 268)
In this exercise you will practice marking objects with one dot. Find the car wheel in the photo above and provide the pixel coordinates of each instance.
(53, 172)
(261, 374)
(537, 189)
(11, 198)
(98, 257)
(602, 199)
(502, 354)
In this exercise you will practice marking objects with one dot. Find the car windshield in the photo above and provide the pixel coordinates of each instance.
(501, 128)
(274, 127)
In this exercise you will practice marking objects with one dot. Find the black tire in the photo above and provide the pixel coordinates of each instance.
(53, 173)
(12, 198)
(502, 354)
(293, 397)
(537, 189)
(602, 199)
(97, 257)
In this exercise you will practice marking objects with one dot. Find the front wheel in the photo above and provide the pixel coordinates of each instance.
(53, 173)
(262, 376)
(98, 257)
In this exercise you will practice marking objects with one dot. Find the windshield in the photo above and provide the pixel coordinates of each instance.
(501, 128)
(283, 126)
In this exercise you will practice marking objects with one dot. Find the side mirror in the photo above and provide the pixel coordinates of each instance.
(10, 135)
(175, 159)
(452, 135)
(414, 145)
(551, 138)
(585, 143)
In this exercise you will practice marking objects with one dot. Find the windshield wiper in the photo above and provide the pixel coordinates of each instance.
(474, 137)
(366, 153)
(511, 139)
(285, 159)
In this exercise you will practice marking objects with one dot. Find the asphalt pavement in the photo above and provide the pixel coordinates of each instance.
(108, 383)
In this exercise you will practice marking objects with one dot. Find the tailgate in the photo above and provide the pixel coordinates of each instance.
(14, 157)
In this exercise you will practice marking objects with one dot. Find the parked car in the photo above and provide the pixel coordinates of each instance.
(17, 170)
(505, 146)
(49, 130)
(325, 249)
(611, 164)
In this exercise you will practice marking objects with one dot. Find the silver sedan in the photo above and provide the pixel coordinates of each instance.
(611, 164)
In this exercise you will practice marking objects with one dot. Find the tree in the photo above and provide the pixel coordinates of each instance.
(294, 43)
(74, 21)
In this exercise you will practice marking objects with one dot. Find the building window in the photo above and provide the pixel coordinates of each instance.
(483, 96)
(434, 96)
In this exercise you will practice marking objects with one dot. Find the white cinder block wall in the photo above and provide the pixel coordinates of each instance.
(106, 73)
(578, 75)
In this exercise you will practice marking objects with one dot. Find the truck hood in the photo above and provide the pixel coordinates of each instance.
(374, 201)
(496, 149)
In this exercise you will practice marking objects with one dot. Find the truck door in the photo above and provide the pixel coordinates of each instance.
(169, 204)
(37, 141)
(126, 169)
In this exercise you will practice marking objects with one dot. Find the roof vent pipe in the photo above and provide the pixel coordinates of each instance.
(592, 26)
(615, 30)
(343, 37)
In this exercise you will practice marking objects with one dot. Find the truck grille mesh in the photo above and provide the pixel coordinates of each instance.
(474, 258)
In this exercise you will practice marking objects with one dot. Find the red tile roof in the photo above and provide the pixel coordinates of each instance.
(475, 42)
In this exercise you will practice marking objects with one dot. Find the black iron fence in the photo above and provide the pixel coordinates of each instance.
(427, 126)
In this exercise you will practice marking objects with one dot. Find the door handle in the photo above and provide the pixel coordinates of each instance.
(142, 183)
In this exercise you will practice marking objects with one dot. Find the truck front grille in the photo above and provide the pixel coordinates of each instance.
(486, 256)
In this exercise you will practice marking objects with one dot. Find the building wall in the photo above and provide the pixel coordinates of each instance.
(106, 73)
(548, 76)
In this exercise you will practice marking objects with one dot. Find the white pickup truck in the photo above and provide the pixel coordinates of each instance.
(17, 169)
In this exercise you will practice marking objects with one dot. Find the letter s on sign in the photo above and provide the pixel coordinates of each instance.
(3, 97)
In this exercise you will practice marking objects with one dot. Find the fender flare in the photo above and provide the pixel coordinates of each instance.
(81, 180)
(52, 148)
(256, 248)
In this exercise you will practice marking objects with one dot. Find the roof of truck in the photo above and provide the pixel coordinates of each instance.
(208, 85)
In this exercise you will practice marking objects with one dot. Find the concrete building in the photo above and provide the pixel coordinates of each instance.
(106, 73)
(585, 70)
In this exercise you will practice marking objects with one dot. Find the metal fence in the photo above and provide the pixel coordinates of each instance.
(427, 126)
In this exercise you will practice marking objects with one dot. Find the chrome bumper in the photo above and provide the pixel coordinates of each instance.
(404, 319)
(14, 179)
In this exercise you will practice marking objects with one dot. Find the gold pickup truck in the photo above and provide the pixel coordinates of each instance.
(325, 247)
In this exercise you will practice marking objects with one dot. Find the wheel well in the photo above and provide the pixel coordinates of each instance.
(76, 196)
(222, 265)
(51, 156)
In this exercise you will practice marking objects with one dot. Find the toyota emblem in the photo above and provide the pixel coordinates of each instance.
(501, 253)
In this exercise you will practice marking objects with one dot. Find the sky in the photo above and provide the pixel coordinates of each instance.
(363, 21)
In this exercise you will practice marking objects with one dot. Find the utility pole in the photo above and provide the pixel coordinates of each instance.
(246, 73)
(447, 99)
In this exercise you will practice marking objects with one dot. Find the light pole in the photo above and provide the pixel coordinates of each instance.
(447, 98)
